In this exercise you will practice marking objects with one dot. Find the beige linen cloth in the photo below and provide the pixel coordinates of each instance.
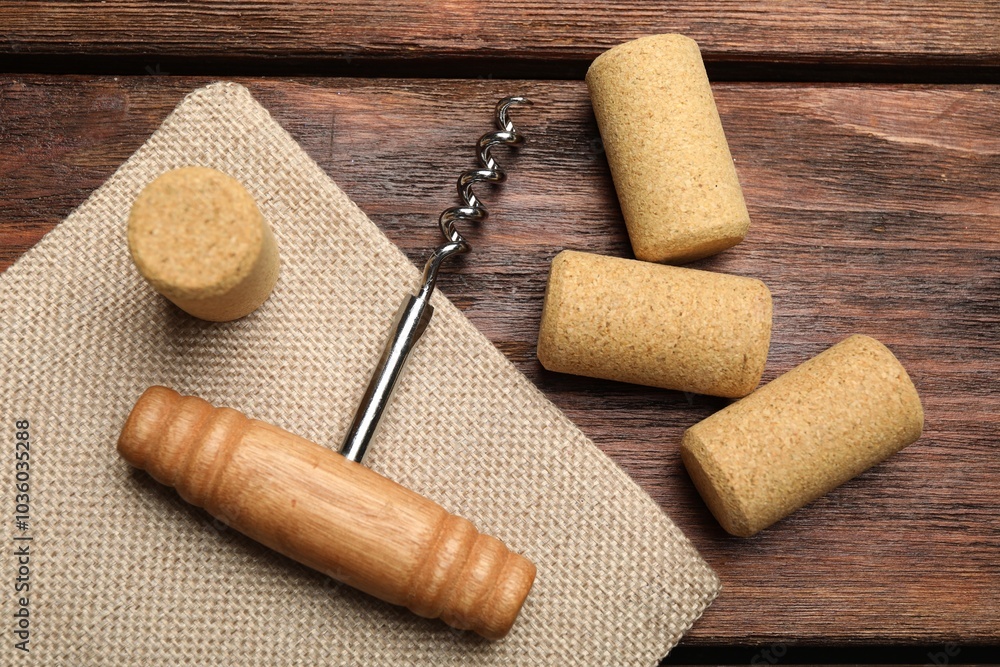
(123, 572)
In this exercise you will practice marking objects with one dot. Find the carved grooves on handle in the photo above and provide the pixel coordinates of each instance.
(183, 442)
(470, 581)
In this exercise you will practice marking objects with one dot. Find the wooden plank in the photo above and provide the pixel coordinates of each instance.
(875, 209)
(830, 32)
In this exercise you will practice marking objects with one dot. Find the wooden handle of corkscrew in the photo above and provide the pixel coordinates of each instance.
(327, 512)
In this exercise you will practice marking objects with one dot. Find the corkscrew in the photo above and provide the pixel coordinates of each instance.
(328, 511)
(415, 313)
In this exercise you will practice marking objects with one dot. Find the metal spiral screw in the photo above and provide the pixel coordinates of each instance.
(473, 210)
(416, 310)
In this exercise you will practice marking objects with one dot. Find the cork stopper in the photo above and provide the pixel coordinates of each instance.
(802, 435)
(199, 239)
(663, 326)
(675, 177)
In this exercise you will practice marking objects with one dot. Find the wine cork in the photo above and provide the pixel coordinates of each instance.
(199, 239)
(671, 165)
(802, 435)
(653, 324)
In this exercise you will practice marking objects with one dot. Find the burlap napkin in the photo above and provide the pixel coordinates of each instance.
(122, 572)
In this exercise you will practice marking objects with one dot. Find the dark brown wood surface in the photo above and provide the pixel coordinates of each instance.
(947, 32)
(876, 209)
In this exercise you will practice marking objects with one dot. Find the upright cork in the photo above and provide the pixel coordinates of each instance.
(199, 239)
(327, 512)
(802, 435)
(671, 165)
(653, 324)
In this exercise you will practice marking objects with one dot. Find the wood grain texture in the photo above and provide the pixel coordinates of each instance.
(875, 210)
(322, 510)
(819, 31)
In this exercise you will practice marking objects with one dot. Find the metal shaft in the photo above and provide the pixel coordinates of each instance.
(415, 312)
(410, 322)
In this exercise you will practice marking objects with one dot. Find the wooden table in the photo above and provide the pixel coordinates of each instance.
(867, 139)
